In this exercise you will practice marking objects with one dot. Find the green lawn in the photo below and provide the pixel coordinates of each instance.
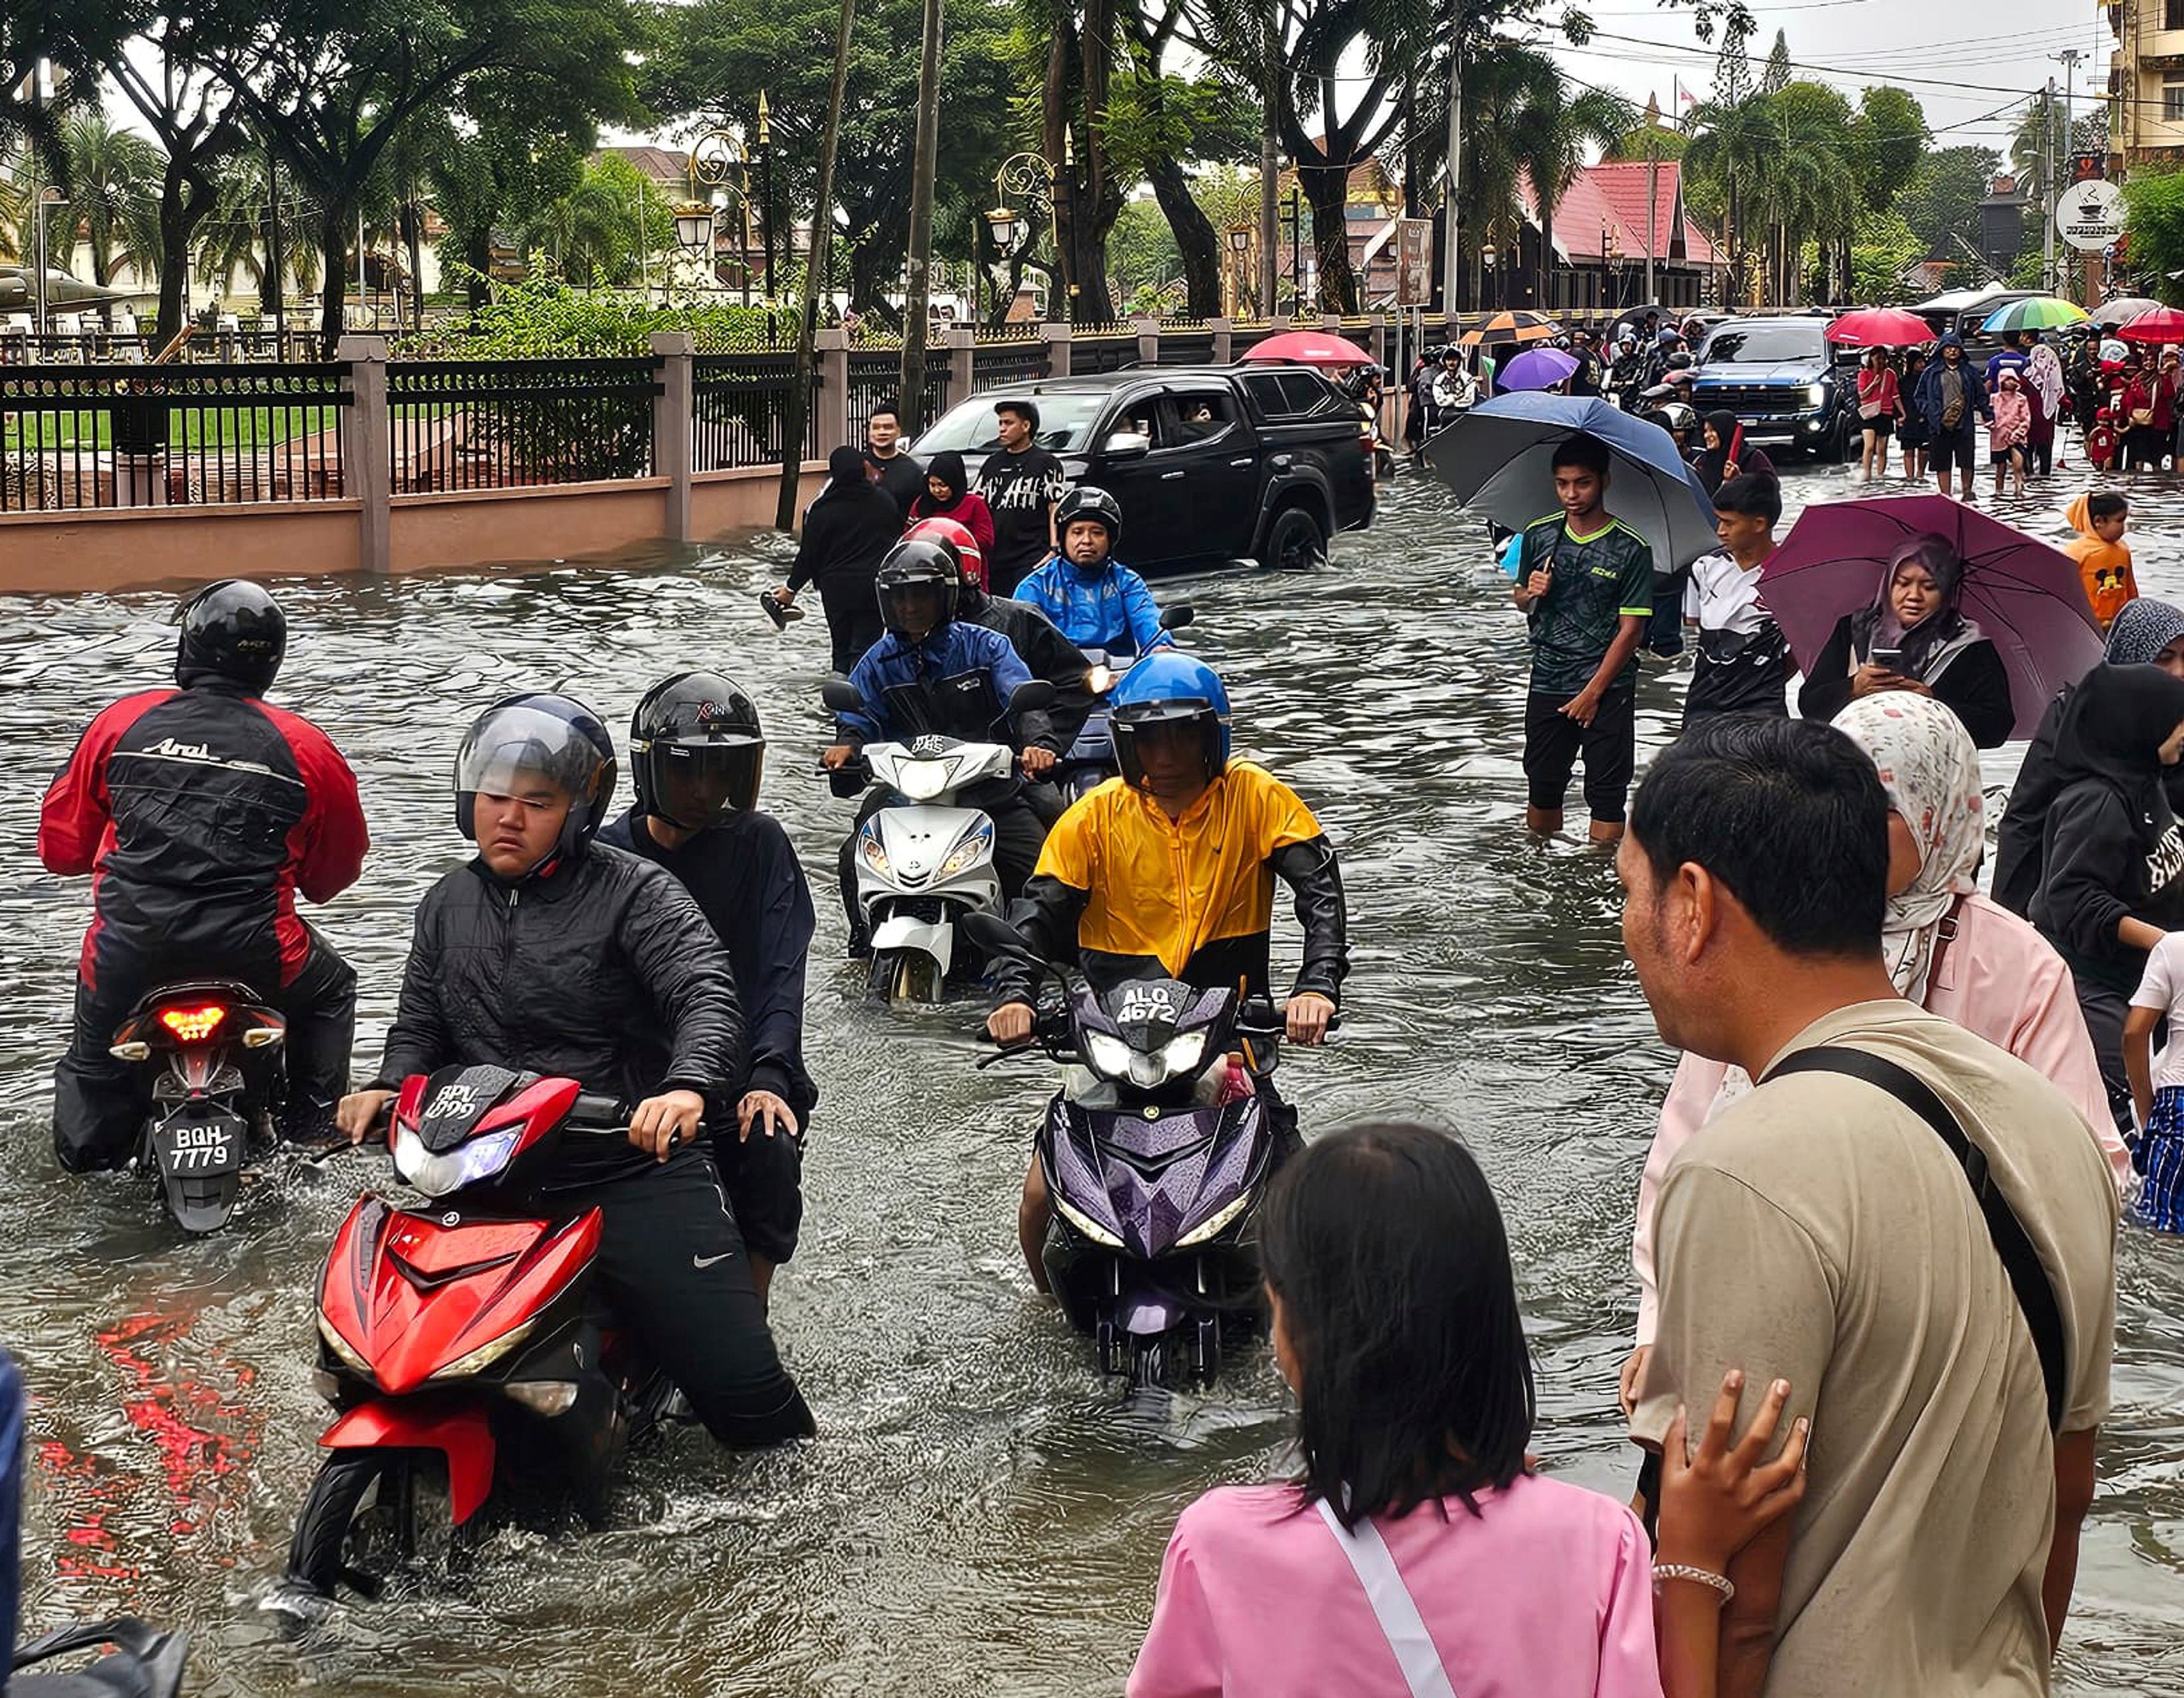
(224, 428)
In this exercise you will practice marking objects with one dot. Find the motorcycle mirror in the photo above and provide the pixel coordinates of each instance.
(1175, 618)
(842, 696)
(994, 936)
(1028, 697)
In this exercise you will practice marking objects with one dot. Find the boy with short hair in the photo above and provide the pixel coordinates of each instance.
(1743, 663)
(2104, 557)
(1586, 586)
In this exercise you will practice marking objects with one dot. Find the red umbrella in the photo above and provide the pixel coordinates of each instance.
(1880, 327)
(2163, 324)
(1309, 347)
(2027, 599)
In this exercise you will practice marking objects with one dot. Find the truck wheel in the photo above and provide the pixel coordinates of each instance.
(1295, 543)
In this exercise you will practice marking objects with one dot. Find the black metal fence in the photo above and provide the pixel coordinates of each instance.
(499, 424)
(739, 405)
(75, 438)
(1103, 351)
(999, 364)
(1186, 345)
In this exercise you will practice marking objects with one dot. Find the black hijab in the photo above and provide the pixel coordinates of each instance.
(2112, 730)
(846, 482)
(1879, 624)
(1714, 462)
(948, 467)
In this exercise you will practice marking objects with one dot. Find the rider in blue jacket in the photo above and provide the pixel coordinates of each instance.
(1093, 599)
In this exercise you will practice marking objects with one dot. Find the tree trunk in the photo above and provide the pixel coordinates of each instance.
(333, 261)
(175, 225)
(1054, 131)
(1327, 189)
(1196, 238)
(477, 254)
(916, 304)
(815, 274)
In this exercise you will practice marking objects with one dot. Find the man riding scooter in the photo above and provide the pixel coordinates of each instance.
(935, 673)
(552, 953)
(1093, 599)
(203, 812)
(1169, 872)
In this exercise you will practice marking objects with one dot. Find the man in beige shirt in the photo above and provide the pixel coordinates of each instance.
(1820, 1232)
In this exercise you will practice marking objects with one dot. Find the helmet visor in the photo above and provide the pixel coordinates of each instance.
(696, 784)
(523, 751)
(914, 606)
(1158, 743)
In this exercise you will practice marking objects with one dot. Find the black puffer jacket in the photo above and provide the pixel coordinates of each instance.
(605, 971)
(1048, 654)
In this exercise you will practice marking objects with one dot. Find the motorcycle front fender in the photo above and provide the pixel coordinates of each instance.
(900, 931)
(459, 1431)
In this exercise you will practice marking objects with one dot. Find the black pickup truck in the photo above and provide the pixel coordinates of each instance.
(1254, 462)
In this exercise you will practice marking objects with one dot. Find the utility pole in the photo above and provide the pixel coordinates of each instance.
(41, 92)
(815, 272)
(273, 259)
(2069, 58)
(916, 304)
(1270, 159)
(2047, 187)
(1450, 264)
(1653, 204)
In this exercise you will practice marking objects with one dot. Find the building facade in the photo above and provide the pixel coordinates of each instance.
(2146, 83)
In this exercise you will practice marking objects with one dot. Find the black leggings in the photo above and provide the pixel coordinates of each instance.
(98, 1108)
(675, 1272)
(853, 622)
(2105, 1010)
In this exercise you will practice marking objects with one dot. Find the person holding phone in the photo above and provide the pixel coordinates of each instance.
(1914, 637)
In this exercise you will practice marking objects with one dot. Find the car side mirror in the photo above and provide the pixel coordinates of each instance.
(1031, 696)
(842, 697)
(1128, 445)
(1175, 618)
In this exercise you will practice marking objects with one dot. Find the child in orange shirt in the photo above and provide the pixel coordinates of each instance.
(2104, 557)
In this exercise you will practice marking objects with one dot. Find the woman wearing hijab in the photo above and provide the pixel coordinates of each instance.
(2147, 632)
(1948, 949)
(1914, 639)
(2112, 860)
(847, 532)
(1727, 455)
(949, 495)
(2043, 377)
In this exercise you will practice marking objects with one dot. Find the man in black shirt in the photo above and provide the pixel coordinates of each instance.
(695, 751)
(1021, 483)
(894, 471)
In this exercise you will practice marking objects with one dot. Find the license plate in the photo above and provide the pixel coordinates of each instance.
(193, 1149)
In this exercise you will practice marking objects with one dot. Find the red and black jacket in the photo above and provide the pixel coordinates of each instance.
(199, 813)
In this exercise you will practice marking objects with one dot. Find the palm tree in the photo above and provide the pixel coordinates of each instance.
(111, 181)
(1554, 131)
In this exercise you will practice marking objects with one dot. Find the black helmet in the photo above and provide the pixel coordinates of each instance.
(1090, 501)
(695, 750)
(558, 737)
(233, 630)
(917, 569)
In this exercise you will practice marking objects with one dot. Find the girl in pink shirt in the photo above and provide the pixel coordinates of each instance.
(2009, 428)
(1418, 1551)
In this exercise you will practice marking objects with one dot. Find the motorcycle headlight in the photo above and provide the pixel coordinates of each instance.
(921, 781)
(470, 1161)
(346, 1353)
(1101, 680)
(874, 852)
(484, 1356)
(1217, 1223)
(973, 845)
(1083, 1224)
(1109, 1056)
(1183, 1053)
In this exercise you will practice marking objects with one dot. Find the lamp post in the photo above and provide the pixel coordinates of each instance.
(1028, 178)
(1239, 251)
(1487, 258)
(1296, 234)
(718, 162)
(49, 198)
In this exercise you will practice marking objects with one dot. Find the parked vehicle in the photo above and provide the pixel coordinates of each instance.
(465, 1348)
(1780, 378)
(1965, 310)
(1263, 462)
(207, 1053)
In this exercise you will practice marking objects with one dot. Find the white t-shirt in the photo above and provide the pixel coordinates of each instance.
(2163, 988)
(1723, 596)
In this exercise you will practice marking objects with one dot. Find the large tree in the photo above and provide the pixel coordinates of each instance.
(112, 177)
(1940, 203)
(331, 83)
(496, 173)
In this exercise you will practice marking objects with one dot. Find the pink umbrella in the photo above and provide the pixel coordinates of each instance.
(2027, 598)
(1880, 327)
(2163, 324)
(1309, 347)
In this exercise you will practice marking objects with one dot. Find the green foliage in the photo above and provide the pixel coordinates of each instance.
(613, 230)
(542, 316)
(1648, 141)
(1887, 141)
(1142, 257)
(1776, 77)
(1882, 250)
(2155, 205)
(1941, 202)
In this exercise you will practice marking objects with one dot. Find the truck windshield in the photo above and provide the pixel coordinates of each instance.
(1065, 426)
(1765, 344)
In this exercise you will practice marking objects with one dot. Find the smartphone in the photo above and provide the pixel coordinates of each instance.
(1892, 659)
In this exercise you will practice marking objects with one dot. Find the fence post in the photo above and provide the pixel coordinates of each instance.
(1149, 330)
(672, 455)
(1056, 338)
(962, 345)
(1380, 339)
(1222, 329)
(833, 347)
(366, 429)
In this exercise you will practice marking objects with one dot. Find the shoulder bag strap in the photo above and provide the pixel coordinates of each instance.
(1393, 1606)
(2035, 1297)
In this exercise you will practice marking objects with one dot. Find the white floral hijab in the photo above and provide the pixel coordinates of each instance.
(1929, 769)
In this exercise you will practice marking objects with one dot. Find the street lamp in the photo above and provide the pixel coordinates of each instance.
(1487, 258)
(1240, 250)
(1027, 178)
(717, 161)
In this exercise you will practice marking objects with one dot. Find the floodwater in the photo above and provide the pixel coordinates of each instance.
(978, 1515)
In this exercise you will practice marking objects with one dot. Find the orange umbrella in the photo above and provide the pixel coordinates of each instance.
(1512, 326)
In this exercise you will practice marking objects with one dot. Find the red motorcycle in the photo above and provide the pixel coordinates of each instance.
(462, 1348)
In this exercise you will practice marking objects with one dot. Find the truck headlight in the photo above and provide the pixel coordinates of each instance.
(1816, 394)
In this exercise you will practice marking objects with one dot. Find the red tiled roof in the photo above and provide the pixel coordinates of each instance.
(1613, 193)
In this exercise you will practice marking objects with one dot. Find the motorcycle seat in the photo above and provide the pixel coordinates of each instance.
(178, 990)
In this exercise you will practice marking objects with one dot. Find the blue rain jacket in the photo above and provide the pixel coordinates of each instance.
(1108, 608)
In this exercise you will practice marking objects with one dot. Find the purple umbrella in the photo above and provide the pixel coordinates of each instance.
(1536, 368)
(2026, 597)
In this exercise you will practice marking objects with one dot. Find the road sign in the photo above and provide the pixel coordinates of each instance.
(1414, 276)
(2089, 215)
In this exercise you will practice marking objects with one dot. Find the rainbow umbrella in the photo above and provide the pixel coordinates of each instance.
(2040, 312)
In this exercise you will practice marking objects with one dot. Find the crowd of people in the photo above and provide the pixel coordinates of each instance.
(1875, 1238)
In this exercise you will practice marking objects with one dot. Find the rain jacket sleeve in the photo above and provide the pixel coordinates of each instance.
(1141, 611)
(684, 968)
(2089, 845)
(328, 842)
(1311, 871)
(769, 953)
(73, 821)
(421, 1040)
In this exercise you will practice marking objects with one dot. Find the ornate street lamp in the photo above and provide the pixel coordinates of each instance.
(719, 163)
(1025, 180)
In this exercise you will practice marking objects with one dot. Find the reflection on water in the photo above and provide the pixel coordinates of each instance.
(980, 1517)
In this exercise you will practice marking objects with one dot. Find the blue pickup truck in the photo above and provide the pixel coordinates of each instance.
(1780, 378)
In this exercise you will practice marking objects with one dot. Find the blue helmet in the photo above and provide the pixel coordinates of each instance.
(1166, 688)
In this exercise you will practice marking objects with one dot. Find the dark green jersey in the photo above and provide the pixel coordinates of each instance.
(1596, 583)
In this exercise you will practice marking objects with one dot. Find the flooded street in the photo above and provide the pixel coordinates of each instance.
(977, 1517)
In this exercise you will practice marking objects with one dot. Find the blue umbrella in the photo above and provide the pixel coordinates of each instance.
(1498, 458)
(1535, 368)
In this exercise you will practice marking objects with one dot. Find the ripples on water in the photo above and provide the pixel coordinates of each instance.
(978, 1518)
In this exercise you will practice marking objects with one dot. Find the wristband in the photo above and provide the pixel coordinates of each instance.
(1704, 1576)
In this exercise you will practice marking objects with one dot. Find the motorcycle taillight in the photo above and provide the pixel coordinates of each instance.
(193, 1025)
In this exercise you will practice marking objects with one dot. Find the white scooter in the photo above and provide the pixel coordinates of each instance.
(925, 862)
